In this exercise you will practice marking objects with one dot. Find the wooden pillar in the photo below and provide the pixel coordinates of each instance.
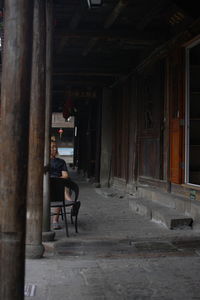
(47, 234)
(107, 125)
(34, 247)
(15, 101)
(98, 141)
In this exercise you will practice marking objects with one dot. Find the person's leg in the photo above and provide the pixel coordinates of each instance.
(67, 195)
(56, 212)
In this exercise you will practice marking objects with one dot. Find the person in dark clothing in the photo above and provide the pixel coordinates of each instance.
(58, 168)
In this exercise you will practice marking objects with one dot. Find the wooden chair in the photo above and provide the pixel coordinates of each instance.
(57, 187)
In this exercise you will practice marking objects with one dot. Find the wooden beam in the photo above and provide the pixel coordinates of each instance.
(111, 35)
(100, 74)
(110, 20)
(115, 13)
(74, 22)
(87, 83)
(92, 43)
(154, 11)
(160, 52)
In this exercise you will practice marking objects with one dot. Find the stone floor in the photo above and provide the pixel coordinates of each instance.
(116, 255)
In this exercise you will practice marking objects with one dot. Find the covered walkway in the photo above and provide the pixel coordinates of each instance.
(128, 72)
(116, 255)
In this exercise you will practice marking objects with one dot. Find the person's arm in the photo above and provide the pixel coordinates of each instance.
(64, 174)
(47, 168)
(64, 171)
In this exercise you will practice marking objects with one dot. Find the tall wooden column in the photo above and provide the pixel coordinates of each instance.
(47, 234)
(34, 247)
(15, 101)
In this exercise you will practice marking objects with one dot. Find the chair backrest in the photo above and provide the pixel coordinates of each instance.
(73, 188)
(57, 188)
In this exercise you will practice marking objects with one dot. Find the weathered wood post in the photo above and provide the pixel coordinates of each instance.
(14, 125)
(47, 234)
(34, 247)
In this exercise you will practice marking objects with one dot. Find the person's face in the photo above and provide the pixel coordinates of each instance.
(53, 149)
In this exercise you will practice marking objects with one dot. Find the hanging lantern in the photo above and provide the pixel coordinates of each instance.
(60, 131)
(69, 108)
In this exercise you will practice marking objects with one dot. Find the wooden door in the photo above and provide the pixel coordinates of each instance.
(176, 98)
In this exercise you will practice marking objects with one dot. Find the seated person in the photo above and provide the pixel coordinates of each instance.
(58, 168)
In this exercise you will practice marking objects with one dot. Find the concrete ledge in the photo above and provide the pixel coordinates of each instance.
(182, 205)
(121, 185)
(106, 192)
(141, 207)
(169, 217)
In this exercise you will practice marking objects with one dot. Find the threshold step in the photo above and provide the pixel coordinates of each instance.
(158, 213)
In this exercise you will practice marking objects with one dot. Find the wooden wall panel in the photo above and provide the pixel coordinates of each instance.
(150, 123)
(125, 130)
(138, 131)
(132, 152)
(121, 131)
(149, 156)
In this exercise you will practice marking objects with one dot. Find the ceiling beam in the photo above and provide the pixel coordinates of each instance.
(82, 83)
(73, 24)
(152, 13)
(110, 20)
(87, 74)
(86, 70)
(160, 52)
(91, 44)
(115, 13)
(109, 35)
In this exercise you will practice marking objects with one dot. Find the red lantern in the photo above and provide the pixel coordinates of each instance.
(60, 131)
(67, 109)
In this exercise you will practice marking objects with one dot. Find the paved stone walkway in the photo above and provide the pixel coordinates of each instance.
(116, 255)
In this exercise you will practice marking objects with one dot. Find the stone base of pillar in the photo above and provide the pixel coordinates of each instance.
(34, 251)
(48, 236)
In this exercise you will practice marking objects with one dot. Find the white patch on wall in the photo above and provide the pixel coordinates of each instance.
(59, 121)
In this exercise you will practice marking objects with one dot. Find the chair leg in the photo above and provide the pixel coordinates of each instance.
(61, 213)
(65, 218)
(76, 223)
(72, 222)
(76, 210)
